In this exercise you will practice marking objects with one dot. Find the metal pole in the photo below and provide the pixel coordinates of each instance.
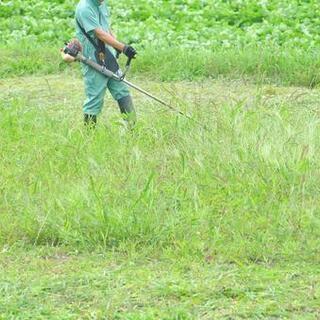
(153, 97)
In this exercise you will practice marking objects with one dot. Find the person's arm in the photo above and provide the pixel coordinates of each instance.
(109, 39)
(114, 36)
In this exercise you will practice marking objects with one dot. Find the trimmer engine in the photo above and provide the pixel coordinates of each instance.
(72, 48)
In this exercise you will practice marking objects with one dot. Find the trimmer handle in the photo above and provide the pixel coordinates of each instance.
(128, 62)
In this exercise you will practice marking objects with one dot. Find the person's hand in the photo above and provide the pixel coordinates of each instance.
(129, 51)
(70, 51)
(67, 57)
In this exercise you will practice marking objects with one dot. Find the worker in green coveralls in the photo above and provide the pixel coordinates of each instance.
(93, 31)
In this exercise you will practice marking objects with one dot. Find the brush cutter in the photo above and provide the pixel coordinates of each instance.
(73, 51)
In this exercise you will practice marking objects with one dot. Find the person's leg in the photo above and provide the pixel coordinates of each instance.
(121, 94)
(95, 88)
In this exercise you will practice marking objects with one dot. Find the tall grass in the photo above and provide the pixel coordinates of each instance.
(246, 189)
(266, 64)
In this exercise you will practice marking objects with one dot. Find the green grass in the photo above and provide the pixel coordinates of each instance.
(51, 283)
(247, 187)
(265, 64)
(170, 221)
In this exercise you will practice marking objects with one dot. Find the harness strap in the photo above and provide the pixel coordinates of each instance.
(87, 35)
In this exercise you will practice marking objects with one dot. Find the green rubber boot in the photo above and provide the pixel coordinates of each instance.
(127, 109)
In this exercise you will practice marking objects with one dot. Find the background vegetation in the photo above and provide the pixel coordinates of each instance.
(196, 23)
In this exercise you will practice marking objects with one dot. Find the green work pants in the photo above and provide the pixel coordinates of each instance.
(96, 85)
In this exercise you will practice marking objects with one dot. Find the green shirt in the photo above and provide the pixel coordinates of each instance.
(91, 14)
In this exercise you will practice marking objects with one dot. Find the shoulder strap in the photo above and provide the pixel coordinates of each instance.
(87, 35)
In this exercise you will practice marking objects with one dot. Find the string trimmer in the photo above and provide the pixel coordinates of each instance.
(74, 50)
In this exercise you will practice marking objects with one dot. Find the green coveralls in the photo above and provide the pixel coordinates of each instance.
(92, 14)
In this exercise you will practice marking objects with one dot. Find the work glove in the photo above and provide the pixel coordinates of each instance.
(129, 51)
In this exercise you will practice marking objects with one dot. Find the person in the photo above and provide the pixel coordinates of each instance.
(94, 32)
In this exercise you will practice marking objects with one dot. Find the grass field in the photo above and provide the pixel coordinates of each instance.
(169, 221)
(211, 217)
(264, 64)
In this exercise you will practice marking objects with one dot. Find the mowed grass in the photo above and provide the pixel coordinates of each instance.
(217, 218)
(57, 283)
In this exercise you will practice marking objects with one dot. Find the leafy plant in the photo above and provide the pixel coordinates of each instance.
(188, 23)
